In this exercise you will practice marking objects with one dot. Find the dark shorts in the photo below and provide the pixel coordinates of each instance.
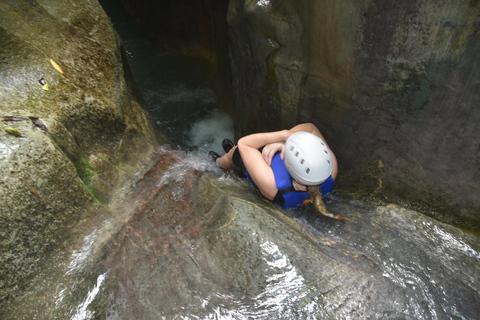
(238, 166)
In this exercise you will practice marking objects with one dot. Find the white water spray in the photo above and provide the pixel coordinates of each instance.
(208, 132)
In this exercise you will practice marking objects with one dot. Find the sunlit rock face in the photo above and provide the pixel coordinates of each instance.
(80, 132)
(392, 85)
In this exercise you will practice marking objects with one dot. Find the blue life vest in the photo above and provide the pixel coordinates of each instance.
(286, 196)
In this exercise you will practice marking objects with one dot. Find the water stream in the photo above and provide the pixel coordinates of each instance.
(175, 88)
(193, 242)
(416, 254)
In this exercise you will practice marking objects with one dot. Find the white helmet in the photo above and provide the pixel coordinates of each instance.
(307, 158)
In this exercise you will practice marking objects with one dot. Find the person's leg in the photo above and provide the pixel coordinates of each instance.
(225, 161)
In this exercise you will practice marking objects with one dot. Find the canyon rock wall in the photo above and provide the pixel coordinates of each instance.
(73, 132)
(394, 87)
(193, 27)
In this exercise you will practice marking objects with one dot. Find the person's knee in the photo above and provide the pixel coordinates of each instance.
(224, 162)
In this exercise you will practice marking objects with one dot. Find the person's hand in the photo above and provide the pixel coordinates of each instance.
(271, 149)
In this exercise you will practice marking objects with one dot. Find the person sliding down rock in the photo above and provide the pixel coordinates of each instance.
(289, 167)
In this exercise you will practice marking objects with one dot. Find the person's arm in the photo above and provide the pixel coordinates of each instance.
(260, 172)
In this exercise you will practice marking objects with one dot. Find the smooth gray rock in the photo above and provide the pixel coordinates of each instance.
(196, 243)
(82, 140)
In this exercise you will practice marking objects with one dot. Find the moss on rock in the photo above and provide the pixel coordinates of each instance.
(94, 137)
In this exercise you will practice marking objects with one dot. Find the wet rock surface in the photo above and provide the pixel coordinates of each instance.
(194, 242)
(80, 132)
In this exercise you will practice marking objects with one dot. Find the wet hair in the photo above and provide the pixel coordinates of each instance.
(316, 196)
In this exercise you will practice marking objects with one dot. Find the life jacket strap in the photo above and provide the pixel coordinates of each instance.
(279, 199)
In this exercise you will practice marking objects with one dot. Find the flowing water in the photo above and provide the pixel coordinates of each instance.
(175, 88)
(193, 242)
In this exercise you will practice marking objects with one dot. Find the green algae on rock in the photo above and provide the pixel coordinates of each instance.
(88, 128)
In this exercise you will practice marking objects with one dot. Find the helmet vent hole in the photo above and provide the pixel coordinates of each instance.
(328, 161)
(302, 161)
(326, 151)
(296, 154)
(291, 148)
(308, 170)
